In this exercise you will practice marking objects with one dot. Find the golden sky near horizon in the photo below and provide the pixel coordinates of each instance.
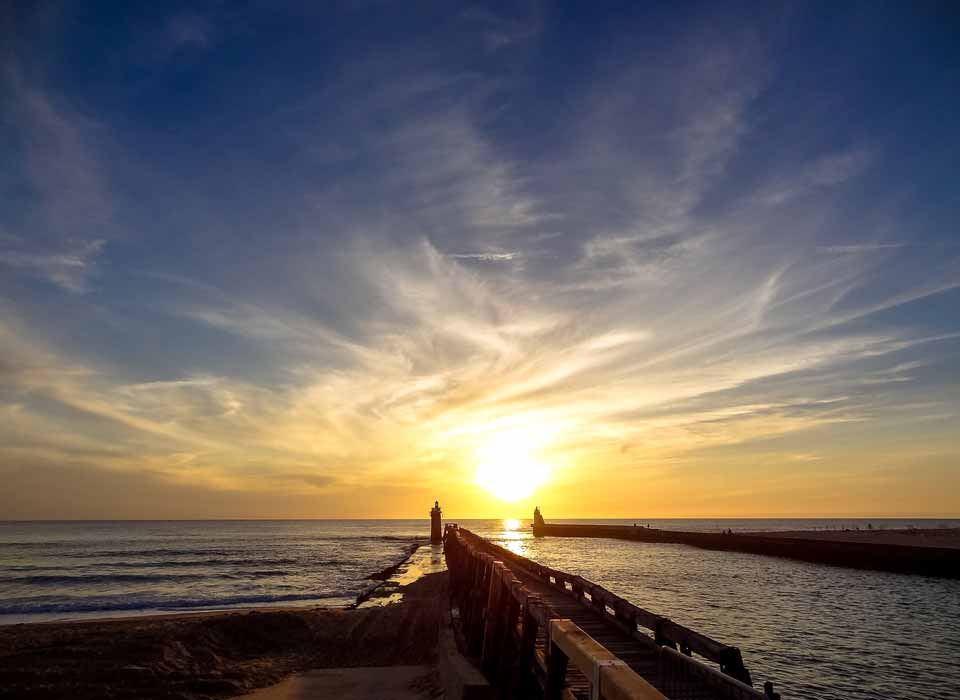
(262, 275)
(601, 425)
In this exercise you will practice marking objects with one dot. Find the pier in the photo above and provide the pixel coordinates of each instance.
(540, 632)
(904, 559)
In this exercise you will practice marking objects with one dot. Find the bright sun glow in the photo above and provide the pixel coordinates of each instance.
(511, 524)
(508, 466)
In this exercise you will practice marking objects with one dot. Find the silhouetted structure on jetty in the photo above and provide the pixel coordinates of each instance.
(927, 561)
(539, 632)
(537, 518)
(436, 531)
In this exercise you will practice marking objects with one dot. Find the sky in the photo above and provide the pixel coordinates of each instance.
(324, 260)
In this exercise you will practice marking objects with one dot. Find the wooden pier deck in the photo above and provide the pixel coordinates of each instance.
(655, 648)
(642, 658)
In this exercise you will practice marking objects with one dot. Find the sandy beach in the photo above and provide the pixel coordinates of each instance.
(217, 655)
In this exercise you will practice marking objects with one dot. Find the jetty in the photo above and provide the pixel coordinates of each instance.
(898, 558)
(540, 632)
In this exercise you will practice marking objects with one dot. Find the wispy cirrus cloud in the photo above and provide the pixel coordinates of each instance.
(861, 247)
(366, 279)
(485, 257)
(69, 269)
(817, 176)
(61, 232)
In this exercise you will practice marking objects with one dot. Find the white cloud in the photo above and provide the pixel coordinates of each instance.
(862, 247)
(64, 233)
(69, 269)
(412, 303)
(486, 257)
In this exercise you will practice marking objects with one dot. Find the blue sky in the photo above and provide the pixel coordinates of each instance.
(278, 260)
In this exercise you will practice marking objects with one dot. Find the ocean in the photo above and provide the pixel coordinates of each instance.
(815, 631)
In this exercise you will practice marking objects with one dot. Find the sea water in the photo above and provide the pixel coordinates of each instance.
(69, 570)
(816, 631)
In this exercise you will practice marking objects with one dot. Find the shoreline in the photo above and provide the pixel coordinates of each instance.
(215, 654)
(383, 578)
(344, 602)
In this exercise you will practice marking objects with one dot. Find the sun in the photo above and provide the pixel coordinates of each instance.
(508, 465)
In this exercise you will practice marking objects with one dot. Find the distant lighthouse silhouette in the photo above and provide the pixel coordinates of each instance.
(436, 532)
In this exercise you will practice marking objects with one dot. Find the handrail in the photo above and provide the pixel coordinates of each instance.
(505, 627)
(609, 677)
(676, 669)
(666, 632)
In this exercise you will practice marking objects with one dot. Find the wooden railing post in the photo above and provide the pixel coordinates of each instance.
(526, 651)
(577, 588)
(467, 597)
(556, 671)
(501, 630)
(477, 599)
(731, 663)
(661, 638)
(489, 651)
(623, 615)
(599, 601)
(508, 630)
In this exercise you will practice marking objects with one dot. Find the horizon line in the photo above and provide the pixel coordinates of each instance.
(427, 518)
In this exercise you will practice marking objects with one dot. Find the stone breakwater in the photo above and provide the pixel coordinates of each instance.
(864, 552)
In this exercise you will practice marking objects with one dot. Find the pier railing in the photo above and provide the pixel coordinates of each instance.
(503, 621)
(503, 624)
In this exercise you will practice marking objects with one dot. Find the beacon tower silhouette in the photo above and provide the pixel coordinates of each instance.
(436, 533)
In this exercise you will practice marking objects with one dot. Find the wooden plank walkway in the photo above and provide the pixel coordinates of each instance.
(640, 652)
(641, 656)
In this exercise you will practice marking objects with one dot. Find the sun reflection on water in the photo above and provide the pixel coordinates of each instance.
(513, 536)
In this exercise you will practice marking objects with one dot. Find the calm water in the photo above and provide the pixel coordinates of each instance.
(816, 631)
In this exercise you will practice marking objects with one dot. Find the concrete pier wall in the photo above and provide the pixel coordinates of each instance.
(927, 561)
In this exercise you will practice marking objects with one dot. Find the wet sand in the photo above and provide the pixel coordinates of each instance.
(426, 559)
(220, 654)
